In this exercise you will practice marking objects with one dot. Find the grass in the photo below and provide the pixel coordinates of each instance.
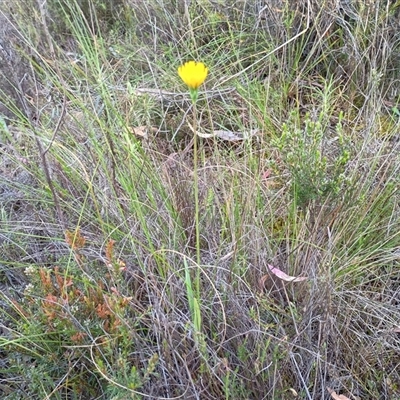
(116, 284)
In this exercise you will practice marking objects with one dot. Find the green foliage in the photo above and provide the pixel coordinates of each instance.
(315, 172)
(75, 332)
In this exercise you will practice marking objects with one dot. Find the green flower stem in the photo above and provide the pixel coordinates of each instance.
(194, 94)
(196, 196)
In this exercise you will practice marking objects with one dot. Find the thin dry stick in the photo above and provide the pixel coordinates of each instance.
(59, 74)
(33, 123)
(59, 215)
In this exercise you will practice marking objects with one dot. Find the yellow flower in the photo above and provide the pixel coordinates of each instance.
(193, 74)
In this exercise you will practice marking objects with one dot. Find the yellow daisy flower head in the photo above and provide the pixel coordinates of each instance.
(193, 74)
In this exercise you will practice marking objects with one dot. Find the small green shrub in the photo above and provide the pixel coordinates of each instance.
(316, 168)
(73, 331)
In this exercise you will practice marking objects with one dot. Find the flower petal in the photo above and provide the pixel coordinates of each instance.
(193, 74)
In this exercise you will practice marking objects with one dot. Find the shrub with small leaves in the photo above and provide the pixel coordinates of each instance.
(316, 162)
(76, 329)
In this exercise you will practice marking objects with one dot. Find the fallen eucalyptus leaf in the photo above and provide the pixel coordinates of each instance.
(282, 275)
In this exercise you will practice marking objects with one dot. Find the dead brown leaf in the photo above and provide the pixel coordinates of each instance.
(140, 131)
(285, 277)
(336, 396)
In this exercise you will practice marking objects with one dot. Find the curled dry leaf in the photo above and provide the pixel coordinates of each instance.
(336, 396)
(235, 136)
(142, 131)
(230, 136)
(282, 275)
